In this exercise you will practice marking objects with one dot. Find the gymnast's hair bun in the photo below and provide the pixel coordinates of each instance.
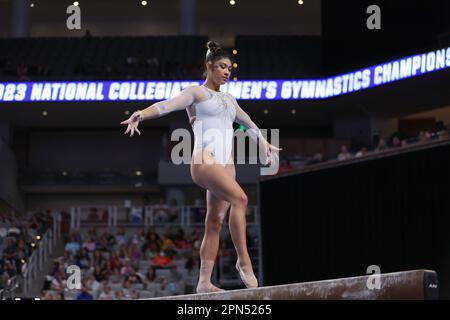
(212, 46)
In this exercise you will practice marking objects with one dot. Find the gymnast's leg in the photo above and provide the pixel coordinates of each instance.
(222, 185)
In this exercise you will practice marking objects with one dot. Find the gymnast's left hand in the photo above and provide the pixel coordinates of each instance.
(132, 122)
(272, 153)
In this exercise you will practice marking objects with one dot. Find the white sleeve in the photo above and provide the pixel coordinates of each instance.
(243, 118)
(181, 101)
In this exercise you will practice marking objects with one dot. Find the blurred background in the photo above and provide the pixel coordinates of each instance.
(75, 191)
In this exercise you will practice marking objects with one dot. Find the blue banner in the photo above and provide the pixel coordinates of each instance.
(301, 89)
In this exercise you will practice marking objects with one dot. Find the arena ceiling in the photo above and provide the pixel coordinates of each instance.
(160, 17)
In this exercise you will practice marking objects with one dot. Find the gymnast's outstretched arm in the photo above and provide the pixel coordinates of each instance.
(252, 129)
(180, 102)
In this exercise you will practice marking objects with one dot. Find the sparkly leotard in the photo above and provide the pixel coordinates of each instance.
(211, 114)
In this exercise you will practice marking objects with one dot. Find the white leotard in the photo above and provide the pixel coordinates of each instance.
(213, 125)
(211, 114)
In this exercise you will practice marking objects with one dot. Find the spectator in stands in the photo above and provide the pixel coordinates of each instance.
(133, 294)
(193, 262)
(121, 237)
(84, 294)
(135, 240)
(106, 294)
(381, 145)
(404, 143)
(165, 287)
(82, 259)
(46, 295)
(128, 206)
(174, 211)
(92, 233)
(92, 284)
(28, 235)
(161, 212)
(3, 232)
(65, 261)
(152, 235)
(173, 282)
(284, 166)
(180, 241)
(98, 258)
(110, 240)
(174, 274)
(150, 276)
(57, 283)
(133, 277)
(135, 252)
(115, 276)
(7, 271)
(424, 136)
(195, 240)
(105, 215)
(106, 268)
(136, 214)
(161, 261)
(126, 286)
(34, 223)
(22, 250)
(318, 158)
(73, 246)
(344, 154)
(11, 254)
(141, 237)
(168, 246)
(361, 152)
(115, 260)
(14, 231)
(119, 295)
(152, 250)
(89, 245)
(396, 143)
(99, 273)
(58, 295)
(127, 268)
(443, 134)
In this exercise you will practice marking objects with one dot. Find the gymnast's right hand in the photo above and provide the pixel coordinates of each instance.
(132, 123)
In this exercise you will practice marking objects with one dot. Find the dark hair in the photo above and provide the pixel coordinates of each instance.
(214, 53)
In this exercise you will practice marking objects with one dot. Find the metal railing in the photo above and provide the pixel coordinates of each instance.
(119, 216)
(38, 258)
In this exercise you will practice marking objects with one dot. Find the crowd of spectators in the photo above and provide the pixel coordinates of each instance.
(381, 144)
(19, 236)
(126, 265)
(102, 58)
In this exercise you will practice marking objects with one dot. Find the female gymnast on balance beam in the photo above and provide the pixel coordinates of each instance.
(212, 167)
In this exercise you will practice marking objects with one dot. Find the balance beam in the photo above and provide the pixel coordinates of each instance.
(406, 285)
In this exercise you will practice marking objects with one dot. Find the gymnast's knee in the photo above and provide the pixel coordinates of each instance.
(240, 199)
(214, 224)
